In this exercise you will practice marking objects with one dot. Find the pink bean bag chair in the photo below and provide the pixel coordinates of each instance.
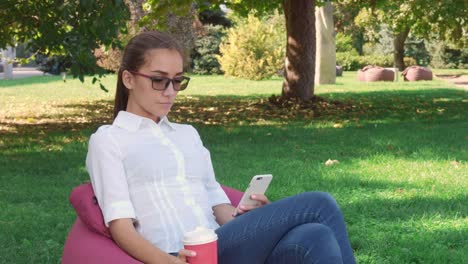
(89, 240)
(338, 70)
(361, 74)
(417, 73)
(373, 73)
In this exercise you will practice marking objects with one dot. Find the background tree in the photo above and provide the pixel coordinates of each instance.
(299, 66)
(344, 13)
(444, 20)
(70, 28)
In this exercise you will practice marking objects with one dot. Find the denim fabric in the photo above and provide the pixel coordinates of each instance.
(306, 228)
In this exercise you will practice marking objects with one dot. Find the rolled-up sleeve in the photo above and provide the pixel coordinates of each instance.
(216, 194)
(107, 173)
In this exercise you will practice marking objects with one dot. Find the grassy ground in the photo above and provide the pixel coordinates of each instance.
(402, 147)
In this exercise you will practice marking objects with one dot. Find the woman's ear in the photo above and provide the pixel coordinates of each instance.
(127, 79)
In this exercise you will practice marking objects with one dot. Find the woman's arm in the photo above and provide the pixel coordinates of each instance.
(223, 213)
(124, 234)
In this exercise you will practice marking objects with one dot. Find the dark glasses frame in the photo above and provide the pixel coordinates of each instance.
(178, 84)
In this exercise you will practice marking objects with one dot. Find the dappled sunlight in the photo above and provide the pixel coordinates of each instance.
(56, 116)
(233, 111)
(228, 101)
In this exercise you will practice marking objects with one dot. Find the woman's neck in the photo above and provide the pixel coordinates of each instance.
(137, 110)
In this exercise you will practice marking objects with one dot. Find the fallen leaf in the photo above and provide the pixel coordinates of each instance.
(30, 120)
(330, 162)
(455, 163)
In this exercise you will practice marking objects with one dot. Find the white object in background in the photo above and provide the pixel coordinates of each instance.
(8, 55)
(325, 52)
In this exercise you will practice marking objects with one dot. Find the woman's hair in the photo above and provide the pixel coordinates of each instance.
(134, 57)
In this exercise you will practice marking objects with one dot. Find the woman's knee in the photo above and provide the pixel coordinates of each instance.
(319, 231)
(323, 198)
(314, 241)
(307, 233)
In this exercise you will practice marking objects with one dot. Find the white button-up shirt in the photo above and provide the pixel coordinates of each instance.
(158, 174)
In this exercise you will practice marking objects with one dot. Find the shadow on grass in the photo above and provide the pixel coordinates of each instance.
(444, 104)
(363, 107)
(33, 167)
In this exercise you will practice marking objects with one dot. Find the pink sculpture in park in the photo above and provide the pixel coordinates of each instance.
(417, 73)
(373, 73)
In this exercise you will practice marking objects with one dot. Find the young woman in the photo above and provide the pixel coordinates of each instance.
(154, 180)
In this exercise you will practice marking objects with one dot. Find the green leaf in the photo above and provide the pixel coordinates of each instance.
(103, 87)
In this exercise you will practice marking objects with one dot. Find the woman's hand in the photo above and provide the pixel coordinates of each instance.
(261, 201)
(182, 256)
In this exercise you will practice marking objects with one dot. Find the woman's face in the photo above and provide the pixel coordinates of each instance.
(143, 100)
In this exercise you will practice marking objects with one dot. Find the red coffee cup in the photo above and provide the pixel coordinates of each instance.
(204, 242)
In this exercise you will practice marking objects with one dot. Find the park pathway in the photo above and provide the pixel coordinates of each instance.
(459, 81)
(23, 72)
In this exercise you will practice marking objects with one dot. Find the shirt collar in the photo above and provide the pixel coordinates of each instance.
(133, 122)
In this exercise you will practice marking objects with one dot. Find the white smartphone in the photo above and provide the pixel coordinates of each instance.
(258, 185)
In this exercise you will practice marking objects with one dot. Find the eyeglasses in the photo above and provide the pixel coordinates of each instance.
(160, 83)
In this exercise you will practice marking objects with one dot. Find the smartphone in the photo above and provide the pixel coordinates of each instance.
(258, 185)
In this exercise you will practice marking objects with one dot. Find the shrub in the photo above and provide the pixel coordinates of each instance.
(214, 17)
(351, 61)
(380, 60)
(446, 55)
(344, 43)
(416, 48)
(206, 48)
(254, 49)
(53, 64)
(409, 61)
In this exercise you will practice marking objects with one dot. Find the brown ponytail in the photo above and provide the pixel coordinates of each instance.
(134, 57)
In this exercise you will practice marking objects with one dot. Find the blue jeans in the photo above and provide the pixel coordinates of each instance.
(306, 228)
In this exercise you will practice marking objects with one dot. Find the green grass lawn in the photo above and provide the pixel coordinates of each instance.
(401, 180)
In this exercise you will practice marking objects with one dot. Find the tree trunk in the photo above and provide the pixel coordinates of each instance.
(299, 65)
(399, 48)
(136, 13)
(358, 42)
(325, 59)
